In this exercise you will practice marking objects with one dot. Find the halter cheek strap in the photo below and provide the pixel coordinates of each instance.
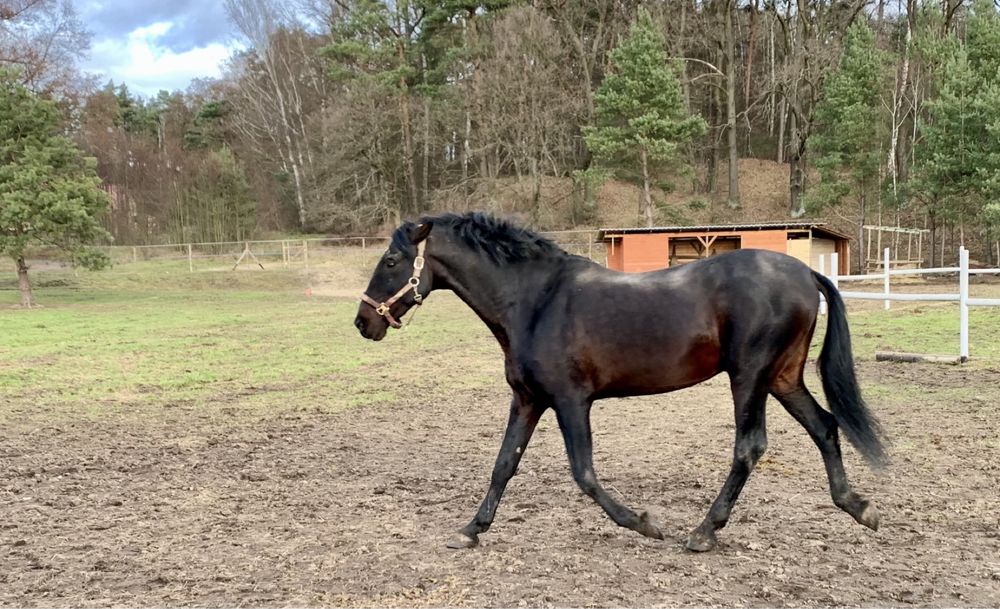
(382, 308)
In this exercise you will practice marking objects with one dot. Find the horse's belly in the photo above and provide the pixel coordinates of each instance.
(657, 368)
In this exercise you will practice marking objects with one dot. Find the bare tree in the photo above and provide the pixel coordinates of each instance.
(274, 96)
(43, 40)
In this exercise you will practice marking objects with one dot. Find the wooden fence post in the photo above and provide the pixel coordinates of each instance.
(885, 281)
(190, 259)
(135, 254)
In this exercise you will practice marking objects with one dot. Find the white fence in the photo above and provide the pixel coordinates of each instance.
(887, 295)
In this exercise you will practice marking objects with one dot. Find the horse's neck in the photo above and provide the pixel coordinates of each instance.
(497, 293)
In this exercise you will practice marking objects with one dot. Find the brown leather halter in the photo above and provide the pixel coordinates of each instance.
(382, 308)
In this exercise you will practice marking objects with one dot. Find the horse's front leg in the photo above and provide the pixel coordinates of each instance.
(524, 417)
(574, 421)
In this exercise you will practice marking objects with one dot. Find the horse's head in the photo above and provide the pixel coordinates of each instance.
(400, 282)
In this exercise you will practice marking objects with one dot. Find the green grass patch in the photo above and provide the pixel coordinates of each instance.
(104, 342)
(930, 330)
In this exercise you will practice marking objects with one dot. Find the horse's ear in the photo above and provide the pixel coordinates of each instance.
(420, 232)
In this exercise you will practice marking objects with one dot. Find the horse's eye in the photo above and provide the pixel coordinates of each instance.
(390, 262)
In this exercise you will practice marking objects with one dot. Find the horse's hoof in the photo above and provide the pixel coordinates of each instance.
(647, 528)
(699, 541)
(461, 541)
(869, 516)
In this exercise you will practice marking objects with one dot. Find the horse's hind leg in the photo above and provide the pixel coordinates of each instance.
(749, 396)
(521, 424)
(822, 428)
(574, 421)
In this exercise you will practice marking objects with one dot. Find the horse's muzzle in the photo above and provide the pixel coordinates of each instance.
(372, 329)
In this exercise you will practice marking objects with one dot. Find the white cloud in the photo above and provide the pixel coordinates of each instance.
(146, 65)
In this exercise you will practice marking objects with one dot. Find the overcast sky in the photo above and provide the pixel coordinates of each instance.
(156, 44)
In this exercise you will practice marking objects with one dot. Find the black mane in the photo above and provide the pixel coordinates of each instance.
(501, 240)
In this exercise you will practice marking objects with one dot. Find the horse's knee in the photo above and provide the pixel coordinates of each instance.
(749, 451)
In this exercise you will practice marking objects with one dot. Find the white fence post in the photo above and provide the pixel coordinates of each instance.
(963, 303)
(834, 266)
(822, 271)
(885, 270)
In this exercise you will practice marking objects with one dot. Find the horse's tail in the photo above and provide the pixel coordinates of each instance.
(836, 367)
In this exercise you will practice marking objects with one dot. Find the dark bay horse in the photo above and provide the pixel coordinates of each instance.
(573, 332)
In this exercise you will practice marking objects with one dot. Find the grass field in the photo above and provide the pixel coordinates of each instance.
(155, 335)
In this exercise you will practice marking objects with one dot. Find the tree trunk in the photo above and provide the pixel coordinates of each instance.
(861, 236)
(647, 199)
(898, 114)
(407, 128)
(733, 199)
(27, 299)
(796, 173)
(426, 187)
(782, 115)
(685, 83)
(796, 139)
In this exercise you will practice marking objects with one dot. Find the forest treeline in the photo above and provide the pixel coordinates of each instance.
(345, 115)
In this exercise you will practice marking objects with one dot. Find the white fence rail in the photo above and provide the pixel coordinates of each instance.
(888, 296)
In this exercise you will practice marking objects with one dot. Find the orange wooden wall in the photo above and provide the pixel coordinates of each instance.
(774, 240)
(645, 252)
(636, 253)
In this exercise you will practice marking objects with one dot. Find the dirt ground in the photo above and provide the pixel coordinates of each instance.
(351, 509)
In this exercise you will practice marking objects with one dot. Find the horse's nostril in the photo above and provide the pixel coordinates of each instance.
(358, 323)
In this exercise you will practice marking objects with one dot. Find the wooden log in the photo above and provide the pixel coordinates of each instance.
(892, 356)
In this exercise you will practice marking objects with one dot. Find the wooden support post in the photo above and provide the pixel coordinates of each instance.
(878, 246)
(190, 259)
(135, 254)
(247, 252)
(362, 243)
(868, 248)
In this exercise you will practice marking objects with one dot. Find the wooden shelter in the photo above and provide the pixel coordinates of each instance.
(635, 250)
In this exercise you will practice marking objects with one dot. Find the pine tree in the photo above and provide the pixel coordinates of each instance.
(49, 192)
(957, 171)
(851, 131)
(639, 108)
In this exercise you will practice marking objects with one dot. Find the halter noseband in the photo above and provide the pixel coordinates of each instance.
(382, 308)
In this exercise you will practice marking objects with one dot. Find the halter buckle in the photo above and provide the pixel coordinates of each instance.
(382, 309)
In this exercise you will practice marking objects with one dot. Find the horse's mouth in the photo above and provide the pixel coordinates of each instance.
(371, 335)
